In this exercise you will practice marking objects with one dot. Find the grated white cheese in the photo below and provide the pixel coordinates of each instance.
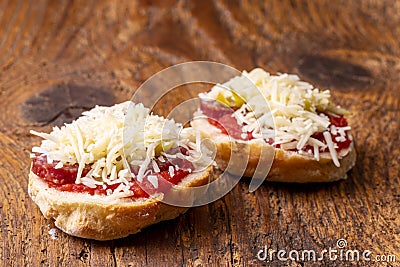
(289, 111)
(171, 171)
(161, 159)
(331, 148)
(111, 140)
(155, 166)
(153, 180)
(316, 151)
(59, 165)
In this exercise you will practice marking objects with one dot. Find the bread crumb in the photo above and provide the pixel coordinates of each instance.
(53, 233)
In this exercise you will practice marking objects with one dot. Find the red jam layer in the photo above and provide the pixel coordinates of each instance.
(221, 117)
(63, 179)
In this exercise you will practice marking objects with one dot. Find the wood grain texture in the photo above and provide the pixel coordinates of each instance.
(102, 51)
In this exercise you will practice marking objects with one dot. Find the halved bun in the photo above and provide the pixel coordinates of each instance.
(92, 153)
(95, 217)
(287, 166)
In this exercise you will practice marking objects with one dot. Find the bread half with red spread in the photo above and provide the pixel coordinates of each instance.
(277, 125)
(109, 173)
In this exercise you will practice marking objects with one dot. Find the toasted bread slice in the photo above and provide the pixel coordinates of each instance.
(96, 217)
(112, 172)
(287, 166)
(261, 122)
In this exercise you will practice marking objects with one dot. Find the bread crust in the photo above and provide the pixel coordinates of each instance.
(93, 217)
(287, 166)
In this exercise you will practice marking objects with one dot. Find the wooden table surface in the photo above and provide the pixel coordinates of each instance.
(58, 58)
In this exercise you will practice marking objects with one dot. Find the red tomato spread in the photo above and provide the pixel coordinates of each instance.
(63, 179)
(221, 117)
(338, 122)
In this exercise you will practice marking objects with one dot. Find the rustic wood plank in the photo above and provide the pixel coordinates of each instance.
(106, 49)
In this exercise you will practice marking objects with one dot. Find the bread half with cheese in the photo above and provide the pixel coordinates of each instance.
(116, 170)
(276, 125)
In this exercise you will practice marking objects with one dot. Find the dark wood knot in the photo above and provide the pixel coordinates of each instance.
(64, 102)
(330, 72)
